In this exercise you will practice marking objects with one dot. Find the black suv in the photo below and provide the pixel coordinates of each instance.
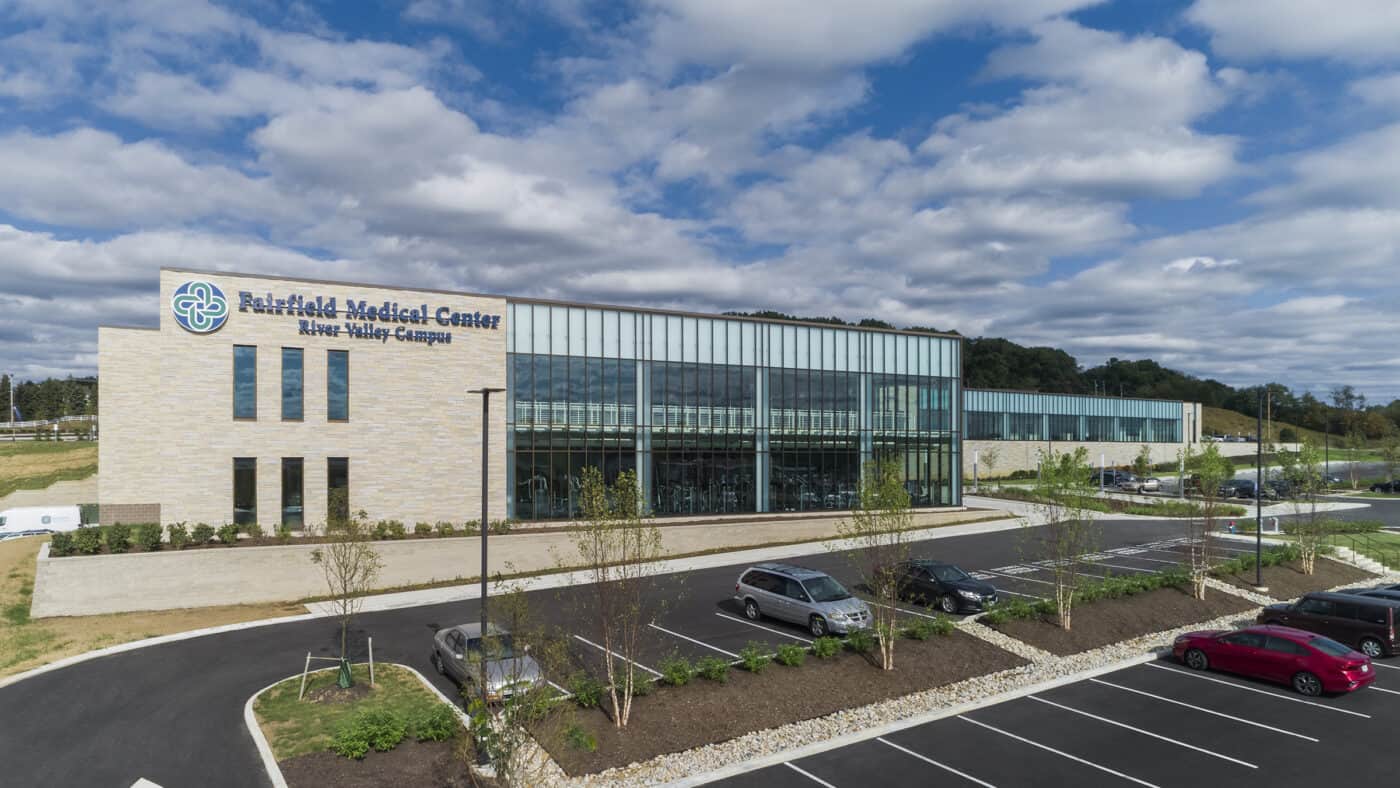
(1364, 623)
(927, 582)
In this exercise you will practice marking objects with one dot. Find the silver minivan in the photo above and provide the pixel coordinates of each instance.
(802, 596)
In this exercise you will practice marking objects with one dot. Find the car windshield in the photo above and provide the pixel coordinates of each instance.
(1329, 646)
(825, 589)
(499, 647)
(948, 574)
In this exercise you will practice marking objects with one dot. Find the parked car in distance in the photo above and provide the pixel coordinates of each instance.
(927, 582)
(1366, 624)
(460, 654)
(801, 596)
(1111, 477)
(1381, 593)
(31, 520)
(1310, 663)
(1386, 487)
(1140, 484)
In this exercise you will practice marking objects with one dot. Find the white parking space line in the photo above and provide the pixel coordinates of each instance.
(1383, 665)
(1260, 691)
(1060, 753)
(1013, 570)
(1145, 558)
(1001, 590)
(932, 762)
(696, 642)
(1383, 689)
(1128, 568)
(564, 694)
(765, 629)
(808, 775)
(1019, 577)
(1204, 710)
(1157, 736)
(902, 610)
(582, 639)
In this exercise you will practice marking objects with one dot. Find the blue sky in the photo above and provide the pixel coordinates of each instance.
(1210, 183)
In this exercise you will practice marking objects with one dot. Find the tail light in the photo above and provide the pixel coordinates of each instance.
(736, 590)
(1391, 612)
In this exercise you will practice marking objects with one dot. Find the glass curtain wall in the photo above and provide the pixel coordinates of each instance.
(722, 415)
(1029, 416)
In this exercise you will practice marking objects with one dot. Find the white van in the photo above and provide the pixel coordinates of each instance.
(29, 520)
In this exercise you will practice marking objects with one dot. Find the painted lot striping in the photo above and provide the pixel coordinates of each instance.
(1203, 710)
(693, 640)
(1269, 693)
(586, 641)
(765, 629)
(1060, 753)
(808, 775)
(932, 762)
(1157, 736)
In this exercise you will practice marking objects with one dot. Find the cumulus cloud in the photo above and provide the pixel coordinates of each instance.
(1349, 30)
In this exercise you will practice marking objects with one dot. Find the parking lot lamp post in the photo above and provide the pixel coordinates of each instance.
(485, 393)
(1259, 497)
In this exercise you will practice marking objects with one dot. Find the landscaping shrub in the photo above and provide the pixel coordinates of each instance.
(712, 668)
(925, 628)
(253, 530)
(228, 534)
(381, 529)
(501, 527)
(284, 534)
(438, 723)
(444, 528)
(754, 658)
(641, 687)
(676, 670)
(826, 647)
(202, 533)
(580, 739)
(861, 641)
(118, 538)
(179, 536)
(148, 535)
(61, 544)
(397, 530)
(87, 541)
(471, 527)
(791, 655)
(422, 529)
(377, 729)
(587, 691)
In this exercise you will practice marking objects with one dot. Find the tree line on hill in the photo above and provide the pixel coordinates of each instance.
(38, 400)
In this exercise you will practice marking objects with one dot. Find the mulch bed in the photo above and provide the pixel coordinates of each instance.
(420, 764)
(673, 719)
(1287, 581)
(1108, 621)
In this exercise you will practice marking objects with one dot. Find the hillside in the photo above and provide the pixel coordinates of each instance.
(1218, 421)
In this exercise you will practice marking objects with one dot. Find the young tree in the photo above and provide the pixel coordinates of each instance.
(351, 565)
(878, 531)
(1142, 463)
(1355, 441)
(615, 543)
(1210, 470)
(1070, 531)
(1303, 472)
(1390, 454)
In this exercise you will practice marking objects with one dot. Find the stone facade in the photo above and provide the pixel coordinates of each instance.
(413, 439)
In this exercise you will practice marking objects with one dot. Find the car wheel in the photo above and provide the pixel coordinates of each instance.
(437, 664)
(1197, 660)
(751, 610)
(817, 625)
(1307, 684)
(1372, 648)
(948, 604)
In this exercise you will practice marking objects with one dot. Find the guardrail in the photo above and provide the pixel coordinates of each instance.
(28, 425)
(1367, 545)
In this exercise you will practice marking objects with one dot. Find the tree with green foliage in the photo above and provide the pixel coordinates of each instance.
(350, 564)
(1209, 470)
(616, 542)
(1390, 455)
(1303, 472)
(1069, 532)
(1142, 463)
(877, 535)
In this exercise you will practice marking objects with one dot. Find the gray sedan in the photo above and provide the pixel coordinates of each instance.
(460, 654)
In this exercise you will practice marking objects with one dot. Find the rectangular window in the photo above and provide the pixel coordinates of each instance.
(291, 492)
(291, 383)
(338, 385)
(245, 382)
(337, 489)
(245, 490)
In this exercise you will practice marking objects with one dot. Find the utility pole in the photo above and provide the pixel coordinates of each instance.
(12, 407)
(1259, 502)
(485, 393)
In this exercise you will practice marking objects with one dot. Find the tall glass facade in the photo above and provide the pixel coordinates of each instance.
(722, 415)
(1028, 416)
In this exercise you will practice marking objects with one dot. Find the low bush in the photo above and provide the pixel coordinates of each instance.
(179, 536)
(438, 723)
(148, 536)
(925, 628)
(381, 529)
(1273, 556)
(861, 641)
(253, 530)
(826, 647)
(118, 538)
(642, 686)
(791, 655)
(587, 691)
(87, 541)
(397, 529)
(444, 528)
(377, 729)
(676, 670)
(712, 669)
(580, 739)
(202, 533)
(501, 527)
(61, 544)
(471, 527)
(228, 534)
(284, 534)
(754, 658)
(422, 529)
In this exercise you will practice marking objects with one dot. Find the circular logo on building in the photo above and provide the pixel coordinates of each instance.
(199, 307)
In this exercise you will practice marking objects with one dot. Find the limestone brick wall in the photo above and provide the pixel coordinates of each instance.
(128, 455)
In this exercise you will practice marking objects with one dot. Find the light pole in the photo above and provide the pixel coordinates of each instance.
(1259, 498)
(485, 393)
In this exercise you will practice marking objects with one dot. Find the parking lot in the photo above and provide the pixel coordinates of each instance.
(1157, 724)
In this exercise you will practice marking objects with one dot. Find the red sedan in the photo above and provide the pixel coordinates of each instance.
(1309, 662)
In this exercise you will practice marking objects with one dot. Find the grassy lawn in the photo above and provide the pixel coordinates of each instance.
(26, 643)
(34, 465)
(1218, 421)
(297, 727)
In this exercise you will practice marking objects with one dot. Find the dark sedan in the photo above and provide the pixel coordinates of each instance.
(1310, 663)
(1386, 487)
(927, 582)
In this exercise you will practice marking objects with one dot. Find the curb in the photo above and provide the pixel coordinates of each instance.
(870, 733)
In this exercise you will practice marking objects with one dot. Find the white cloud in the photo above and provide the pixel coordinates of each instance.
(1362, 170)
(1349, 30)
